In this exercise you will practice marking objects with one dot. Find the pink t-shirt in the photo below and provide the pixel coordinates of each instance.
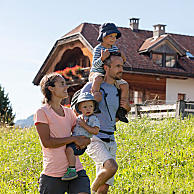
(55, 162)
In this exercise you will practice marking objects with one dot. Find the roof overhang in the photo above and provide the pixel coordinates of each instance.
(167, 74)
(152, 43)
(57, 46)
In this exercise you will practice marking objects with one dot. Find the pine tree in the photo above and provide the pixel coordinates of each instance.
(6, 111)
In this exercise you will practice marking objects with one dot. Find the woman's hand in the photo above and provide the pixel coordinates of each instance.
(81, 141)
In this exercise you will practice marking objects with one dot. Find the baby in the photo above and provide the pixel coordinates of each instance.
(87, 125)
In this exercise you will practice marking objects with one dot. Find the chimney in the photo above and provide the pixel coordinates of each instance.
(159, 29)
(134, 24)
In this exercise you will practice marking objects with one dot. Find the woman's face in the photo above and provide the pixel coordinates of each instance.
(60, 88)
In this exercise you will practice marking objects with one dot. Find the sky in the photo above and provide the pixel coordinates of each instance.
(29, 29)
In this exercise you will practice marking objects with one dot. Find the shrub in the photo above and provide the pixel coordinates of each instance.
(6, 111)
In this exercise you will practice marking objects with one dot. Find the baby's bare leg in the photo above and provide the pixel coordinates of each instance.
(70, 156)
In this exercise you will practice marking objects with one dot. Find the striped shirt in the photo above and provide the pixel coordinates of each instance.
(97, 64)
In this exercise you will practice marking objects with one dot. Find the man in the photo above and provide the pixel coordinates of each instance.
(102, 148)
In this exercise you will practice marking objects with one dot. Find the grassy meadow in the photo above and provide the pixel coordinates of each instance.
(153, 157)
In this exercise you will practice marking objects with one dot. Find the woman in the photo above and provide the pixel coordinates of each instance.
(54, 124)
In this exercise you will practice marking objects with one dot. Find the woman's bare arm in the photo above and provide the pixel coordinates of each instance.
(52, 142)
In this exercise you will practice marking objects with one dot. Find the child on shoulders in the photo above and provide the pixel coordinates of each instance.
(108, 34)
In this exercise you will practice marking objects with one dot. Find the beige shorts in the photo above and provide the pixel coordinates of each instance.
(100, 152)
(120, 82)
(93, 75)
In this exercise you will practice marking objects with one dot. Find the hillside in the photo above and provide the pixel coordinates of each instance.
(153, 157)
(25, 122)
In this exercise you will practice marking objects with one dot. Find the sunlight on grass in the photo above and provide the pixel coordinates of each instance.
(153, 157)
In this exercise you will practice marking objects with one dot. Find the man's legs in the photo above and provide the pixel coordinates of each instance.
(109, 169)
(103, 189)
(104, 155)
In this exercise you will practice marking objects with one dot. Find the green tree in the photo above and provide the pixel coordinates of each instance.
(6, 111)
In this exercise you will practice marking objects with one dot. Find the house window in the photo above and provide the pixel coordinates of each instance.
(138, 97)
(164, 60)
(157, 59)
(181, 96)
(170, 61)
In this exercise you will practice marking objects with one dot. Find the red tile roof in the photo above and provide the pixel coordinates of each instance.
(131, 41)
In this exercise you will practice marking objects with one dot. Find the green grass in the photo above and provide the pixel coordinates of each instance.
(153, 157)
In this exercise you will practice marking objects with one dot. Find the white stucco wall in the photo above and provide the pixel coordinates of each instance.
(175, 86)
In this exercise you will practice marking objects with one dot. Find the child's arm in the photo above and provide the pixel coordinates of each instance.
(104, 54)
(93, 130)
(99, 56)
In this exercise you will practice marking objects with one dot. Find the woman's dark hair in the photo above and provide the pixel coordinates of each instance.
(46, 81)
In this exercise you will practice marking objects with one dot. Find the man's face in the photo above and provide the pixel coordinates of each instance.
(116, 69)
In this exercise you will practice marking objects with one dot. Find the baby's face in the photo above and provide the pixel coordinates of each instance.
(87, 108)
(110, 39)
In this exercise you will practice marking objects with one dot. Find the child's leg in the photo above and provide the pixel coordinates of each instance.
(70, 156)
(97, 81)
(71, 171)
(124, 100)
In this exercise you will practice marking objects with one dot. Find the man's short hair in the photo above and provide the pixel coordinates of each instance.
(107, 61)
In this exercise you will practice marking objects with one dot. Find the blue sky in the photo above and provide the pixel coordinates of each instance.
(29, 29)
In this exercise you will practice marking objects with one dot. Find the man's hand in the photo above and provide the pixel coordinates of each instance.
(97, 96)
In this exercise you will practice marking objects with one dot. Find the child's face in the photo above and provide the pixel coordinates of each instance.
(87, 108)
(110, 39)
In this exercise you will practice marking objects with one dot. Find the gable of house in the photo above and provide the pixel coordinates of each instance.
(132, 43)
(152, 57)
